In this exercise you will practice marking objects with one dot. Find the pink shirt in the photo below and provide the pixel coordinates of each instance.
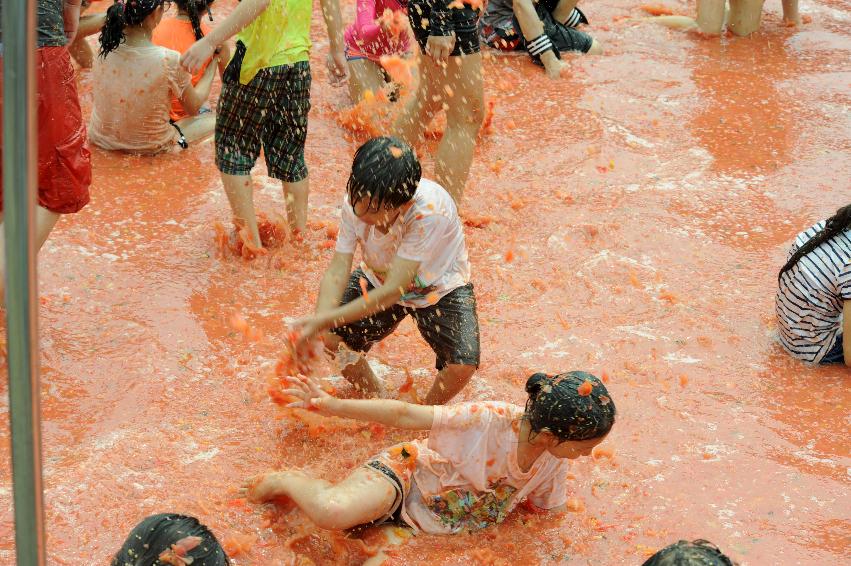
(467, 476)
(366, 37)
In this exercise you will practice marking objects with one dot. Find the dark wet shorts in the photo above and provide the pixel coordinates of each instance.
(269, 112)
(463, 21)
(451, 326)
(836, 355)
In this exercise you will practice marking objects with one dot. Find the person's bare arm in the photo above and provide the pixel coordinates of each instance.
(71, 18)
(334, 282)
(388, 412)
(91, 24)
(532, 27)
(224, 57)
(244, 13)
(194, 97)
(846, 332)
(399, 277)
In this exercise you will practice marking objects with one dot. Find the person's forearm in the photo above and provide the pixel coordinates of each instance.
(334, 23)
(90, 25)
(202, 89)
(388, 412)
(244, 13)
(379, 299)
(331, 289)
(71, 18)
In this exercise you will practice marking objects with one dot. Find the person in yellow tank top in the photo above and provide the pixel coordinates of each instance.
(265, 100)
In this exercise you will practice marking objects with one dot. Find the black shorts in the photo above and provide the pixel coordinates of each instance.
(464, 22)
(450, 326)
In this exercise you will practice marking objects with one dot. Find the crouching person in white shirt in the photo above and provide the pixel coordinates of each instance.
(414, 263)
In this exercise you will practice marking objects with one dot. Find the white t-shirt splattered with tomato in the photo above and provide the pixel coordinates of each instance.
(429, 232)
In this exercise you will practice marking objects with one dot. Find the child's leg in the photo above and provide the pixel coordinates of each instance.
(420, 110)
(359, 337)
(745, 16)
(45, 220)
(790, 12)
(449, 382)
(197, 128)
(285, 135)
(463, 77)
(355, 368)
(364, 75)
(363, 496)
(296, 195)
(241, 197)
(563, 10)
(710, 16)
(451, 328)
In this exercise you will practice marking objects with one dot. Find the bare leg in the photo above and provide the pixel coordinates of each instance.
(596, 48)
(710, 16)
(241, 197)
(463, 77)
(364, 75)
(355, 369)
(45, 220)
(745, 16)
(563, 10)
(790, 12)
(363, 496)
(450, 380)
(421, 109)
(295, 197)
(197, 128)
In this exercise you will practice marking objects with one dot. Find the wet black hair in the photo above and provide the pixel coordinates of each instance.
(156, 534)
(194, 9)
(833, 226)
(557, 404)
(386, 171)
(695, 553)
(121, 14)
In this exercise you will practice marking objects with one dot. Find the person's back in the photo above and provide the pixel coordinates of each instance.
(132, 98)
(177, 34)
(812, 291)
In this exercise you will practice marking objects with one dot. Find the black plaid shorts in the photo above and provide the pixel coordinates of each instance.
(269, 112)
(450, 326)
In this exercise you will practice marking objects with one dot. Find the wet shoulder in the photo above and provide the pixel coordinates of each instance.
(431, 199)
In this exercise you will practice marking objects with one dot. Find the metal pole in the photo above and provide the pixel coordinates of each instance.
(19, 189)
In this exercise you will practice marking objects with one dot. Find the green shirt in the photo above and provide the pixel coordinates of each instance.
(279, 36)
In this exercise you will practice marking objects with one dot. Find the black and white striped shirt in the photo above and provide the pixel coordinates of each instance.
(811, 294)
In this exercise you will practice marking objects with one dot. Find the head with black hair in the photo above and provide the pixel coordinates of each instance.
(385, 175)
(569, 413)
(833, 226)
(695, 553)
(128, 13)
(193, 10)
(171, 539)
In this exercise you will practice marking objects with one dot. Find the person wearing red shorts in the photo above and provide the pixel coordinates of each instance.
(64, 165)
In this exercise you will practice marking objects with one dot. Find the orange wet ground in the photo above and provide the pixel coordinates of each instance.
(647, 202)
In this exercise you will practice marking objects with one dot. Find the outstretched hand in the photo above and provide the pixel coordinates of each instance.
(309, 393)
